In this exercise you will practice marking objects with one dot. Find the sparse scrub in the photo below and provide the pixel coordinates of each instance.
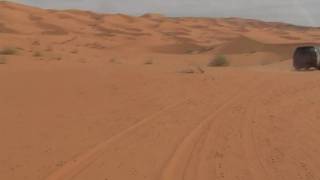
(58, 58)
(74, 51)
(9, 51)
(219, 61)
(148, 62)
(97, 17)
(35, 43)
(113, 60)
(3, 60)
(37, 54)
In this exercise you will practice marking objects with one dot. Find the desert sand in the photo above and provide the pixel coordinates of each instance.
(87, 96)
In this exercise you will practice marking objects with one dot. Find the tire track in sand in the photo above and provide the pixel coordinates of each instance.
(178, 163)
(76, 165)
(224, 163)
(254, 162)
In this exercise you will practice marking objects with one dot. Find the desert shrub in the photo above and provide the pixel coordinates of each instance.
(148, 62)
(218, 61)
(113, 60)
(58, 57)
(37, 54)
(74, 51)
(8, 51)
(54, 56)
(3, 60)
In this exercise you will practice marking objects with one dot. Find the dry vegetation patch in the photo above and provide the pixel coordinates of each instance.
(37, 54)
(148, 62)
(218, 61)
(8, 51)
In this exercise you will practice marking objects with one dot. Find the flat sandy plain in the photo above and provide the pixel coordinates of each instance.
(88, 96)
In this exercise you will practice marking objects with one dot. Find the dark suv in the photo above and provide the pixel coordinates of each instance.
(306, 57)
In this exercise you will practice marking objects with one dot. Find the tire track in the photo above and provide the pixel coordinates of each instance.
(256, 167)
(278, 156)
(73, 167)
(178, 163)
(81, 162)
(221, 132)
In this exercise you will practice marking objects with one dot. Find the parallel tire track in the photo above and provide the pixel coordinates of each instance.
(76, 165)
(179, 161)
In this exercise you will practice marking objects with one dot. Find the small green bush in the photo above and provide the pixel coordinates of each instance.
(218, 61)
(8, 51)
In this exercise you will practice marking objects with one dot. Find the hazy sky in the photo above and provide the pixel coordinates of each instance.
(303, 12)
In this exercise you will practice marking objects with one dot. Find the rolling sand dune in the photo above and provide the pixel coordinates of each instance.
(113, 97)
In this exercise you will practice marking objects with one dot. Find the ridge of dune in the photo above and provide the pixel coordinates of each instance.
(154, 33)
(153, 16)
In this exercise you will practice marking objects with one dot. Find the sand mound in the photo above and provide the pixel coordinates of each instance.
(253, 59)
(244, 45)
(182, 48)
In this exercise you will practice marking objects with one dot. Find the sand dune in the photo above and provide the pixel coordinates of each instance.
(114, 97)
